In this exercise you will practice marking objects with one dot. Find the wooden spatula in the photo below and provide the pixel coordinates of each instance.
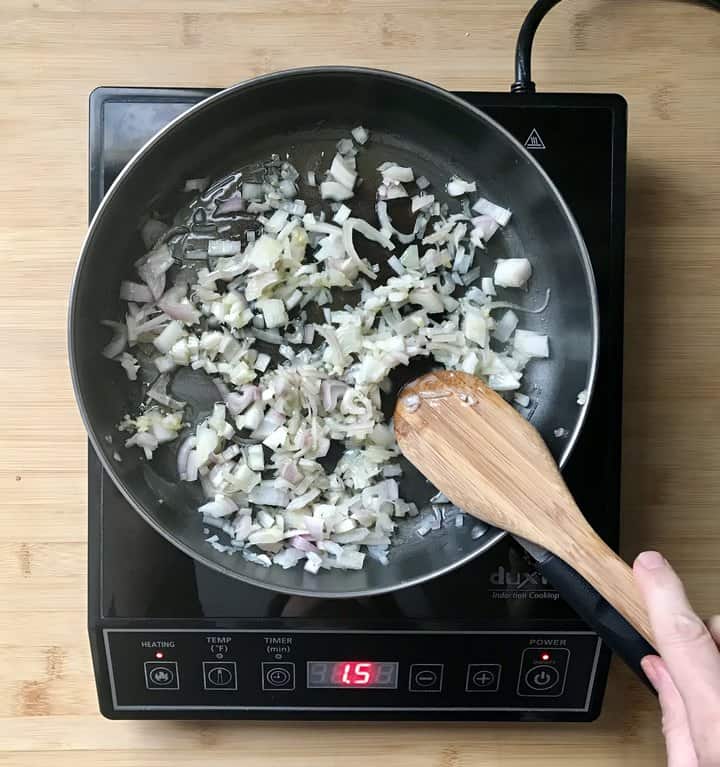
(490, 462)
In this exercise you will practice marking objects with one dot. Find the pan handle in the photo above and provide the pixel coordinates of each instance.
(599, 614)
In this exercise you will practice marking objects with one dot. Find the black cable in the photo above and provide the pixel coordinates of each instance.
(523, 48)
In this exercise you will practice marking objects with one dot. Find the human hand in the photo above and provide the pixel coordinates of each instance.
(687, 676)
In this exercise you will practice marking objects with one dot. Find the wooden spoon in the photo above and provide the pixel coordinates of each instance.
(492, 463)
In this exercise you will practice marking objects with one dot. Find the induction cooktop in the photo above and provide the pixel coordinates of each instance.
(492, 640)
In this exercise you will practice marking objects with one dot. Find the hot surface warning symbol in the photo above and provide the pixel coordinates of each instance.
(534, 141)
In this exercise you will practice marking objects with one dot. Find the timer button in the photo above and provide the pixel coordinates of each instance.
(426, 677)
(278, 677)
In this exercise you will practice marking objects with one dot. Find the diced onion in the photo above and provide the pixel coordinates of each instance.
(271, 300)
(360, 134)
(501, 215)
(505, 326)
(422, 201)
(133, 291)
(488, 286)
(485, 226)
(152, 268)
(274, 313)
(397, 173)
(512, 272)
(457, 186)
(118, 341)
(170, 335)
(341, 173)
(531, 344)
(333, 190)
(386, 224)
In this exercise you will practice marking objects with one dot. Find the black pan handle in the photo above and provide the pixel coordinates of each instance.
(599, 614)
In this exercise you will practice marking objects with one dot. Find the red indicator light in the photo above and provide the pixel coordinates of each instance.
(355, 673)
(545, 656)
(159, 655)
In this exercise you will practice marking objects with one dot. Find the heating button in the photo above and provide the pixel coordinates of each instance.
(278, 677)
(162, 675)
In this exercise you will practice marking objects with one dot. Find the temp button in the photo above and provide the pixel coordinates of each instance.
(219, 675)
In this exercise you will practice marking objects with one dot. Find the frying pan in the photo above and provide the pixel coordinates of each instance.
(304, 113)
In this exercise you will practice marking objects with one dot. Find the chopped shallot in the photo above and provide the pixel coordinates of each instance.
(422, 201)
(522, 399)
(119, 339)
(299, 324)
(512, 272)
(501, 215)
(333, 190)
(133, 291)
(360, 134)
(531, 344)
(457, 186)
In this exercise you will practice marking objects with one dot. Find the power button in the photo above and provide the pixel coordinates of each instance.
(542, 677)
(543, 672)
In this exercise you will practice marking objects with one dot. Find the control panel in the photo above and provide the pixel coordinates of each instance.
(256, 670)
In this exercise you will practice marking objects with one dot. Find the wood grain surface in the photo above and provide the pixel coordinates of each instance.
(478, 450)
(661, 54)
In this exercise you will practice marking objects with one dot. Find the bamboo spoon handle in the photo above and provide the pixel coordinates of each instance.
(575, 542)
(599, 614)
(490, 462)
(609, 575)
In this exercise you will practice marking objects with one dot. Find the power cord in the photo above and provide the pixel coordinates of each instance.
(523, 48)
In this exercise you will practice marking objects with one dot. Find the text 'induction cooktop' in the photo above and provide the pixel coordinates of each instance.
(490, 641)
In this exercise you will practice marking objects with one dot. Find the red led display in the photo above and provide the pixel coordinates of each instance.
(355, 673)
(352, 674)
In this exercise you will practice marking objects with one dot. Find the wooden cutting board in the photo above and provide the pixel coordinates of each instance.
(662, 56)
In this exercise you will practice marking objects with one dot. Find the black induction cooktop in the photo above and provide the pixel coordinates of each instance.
(173, 639)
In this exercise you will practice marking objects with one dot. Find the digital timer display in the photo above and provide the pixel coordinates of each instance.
(352, 674)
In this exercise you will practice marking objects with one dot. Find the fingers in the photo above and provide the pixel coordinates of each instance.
(687, 648)
(676, 729)
(713, 624)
